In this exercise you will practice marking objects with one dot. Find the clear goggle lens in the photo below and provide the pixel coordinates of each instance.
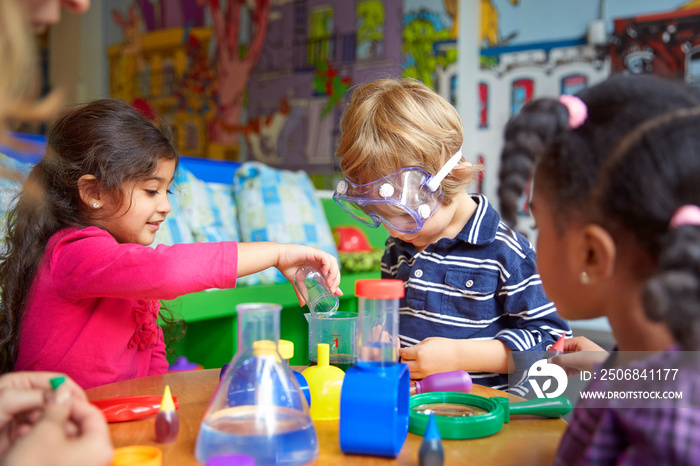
(396, 217)
(401, 200)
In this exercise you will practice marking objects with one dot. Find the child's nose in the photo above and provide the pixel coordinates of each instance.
(76, 6)
(165, 206)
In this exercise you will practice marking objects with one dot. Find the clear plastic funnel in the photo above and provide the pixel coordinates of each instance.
(258, 408)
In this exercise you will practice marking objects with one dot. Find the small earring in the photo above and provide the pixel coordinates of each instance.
(95, 205)
(584, 278)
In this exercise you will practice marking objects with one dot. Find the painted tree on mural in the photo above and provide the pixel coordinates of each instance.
(131, 61)
(235, 60)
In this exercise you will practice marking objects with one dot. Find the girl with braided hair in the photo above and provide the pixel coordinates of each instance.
(615, 200)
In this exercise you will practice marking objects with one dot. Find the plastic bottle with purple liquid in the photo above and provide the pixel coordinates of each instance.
(167, 422)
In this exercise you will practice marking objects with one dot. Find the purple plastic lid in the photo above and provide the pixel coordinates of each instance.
(182, 364)
(235, 459)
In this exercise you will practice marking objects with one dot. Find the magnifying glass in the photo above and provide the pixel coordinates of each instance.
(466, 416)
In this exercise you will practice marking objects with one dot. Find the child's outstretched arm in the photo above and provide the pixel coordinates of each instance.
(437, 354)
(287, 258)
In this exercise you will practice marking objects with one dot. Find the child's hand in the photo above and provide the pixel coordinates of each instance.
(49, 442)
(370, 352)
(581, 355)
(22, 400)
(39, 425)
(430, 356)
(292, 256)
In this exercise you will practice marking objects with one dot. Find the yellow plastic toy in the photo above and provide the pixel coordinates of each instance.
(286, 349)
(266, 348)
(137, 455)
(325, 383)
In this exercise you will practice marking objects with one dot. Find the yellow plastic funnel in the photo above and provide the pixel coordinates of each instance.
(325, 383)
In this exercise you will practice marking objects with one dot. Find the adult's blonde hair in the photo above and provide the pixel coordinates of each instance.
(396, 123)
(18, 81)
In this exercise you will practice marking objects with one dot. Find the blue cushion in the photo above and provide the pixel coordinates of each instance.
(281, 206)
(201, 212)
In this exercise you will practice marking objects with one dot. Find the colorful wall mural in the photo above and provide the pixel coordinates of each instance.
(267, 80)
(536, 54)
(297, 92)
(194, 75)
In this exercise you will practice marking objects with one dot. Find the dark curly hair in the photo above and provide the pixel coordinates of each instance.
(107, 139)
(634, 161)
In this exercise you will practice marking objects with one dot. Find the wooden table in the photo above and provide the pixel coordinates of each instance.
(525, 440)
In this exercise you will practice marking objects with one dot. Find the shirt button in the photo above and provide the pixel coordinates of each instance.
(418, 273)
(469, 283)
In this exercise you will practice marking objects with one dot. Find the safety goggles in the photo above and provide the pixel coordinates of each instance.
(402, 200)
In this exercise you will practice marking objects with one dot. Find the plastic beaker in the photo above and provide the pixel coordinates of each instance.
(312, 286)
(378, 302)
(339, 331)
(258, 408)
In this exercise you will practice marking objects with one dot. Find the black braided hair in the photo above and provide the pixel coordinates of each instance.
(672, 294)
(634, 161)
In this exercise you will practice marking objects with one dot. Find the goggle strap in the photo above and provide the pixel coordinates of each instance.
(435, 181)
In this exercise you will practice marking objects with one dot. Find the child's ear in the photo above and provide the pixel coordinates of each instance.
(597, 253)
(89, 191)
(463, 166)
(461, 171)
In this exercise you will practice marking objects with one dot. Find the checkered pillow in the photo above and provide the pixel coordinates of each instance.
(201, 212)
(281, 206)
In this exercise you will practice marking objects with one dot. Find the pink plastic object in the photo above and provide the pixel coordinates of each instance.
(453, 381)
(558, 346)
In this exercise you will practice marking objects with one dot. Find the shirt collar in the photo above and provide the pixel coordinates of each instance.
(481, 228)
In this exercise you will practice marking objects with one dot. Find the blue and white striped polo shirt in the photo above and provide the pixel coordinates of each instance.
(482, 284)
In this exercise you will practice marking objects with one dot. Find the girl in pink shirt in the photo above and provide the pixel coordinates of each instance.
(80, 286)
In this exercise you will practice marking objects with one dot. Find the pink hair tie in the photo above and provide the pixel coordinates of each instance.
(688, 214)
(577, 110)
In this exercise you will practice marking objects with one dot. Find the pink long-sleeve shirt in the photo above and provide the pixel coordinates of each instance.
(93, 309)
